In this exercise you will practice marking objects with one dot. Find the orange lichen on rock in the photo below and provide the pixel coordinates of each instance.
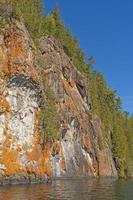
(56, 148)
(9, 159)
(16, 57)
(19, 61)
(42, 156)
(62, 160)
(4, 105)
(3, 62)
(43, 160)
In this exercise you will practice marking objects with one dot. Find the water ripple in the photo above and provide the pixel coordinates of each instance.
(71, 189)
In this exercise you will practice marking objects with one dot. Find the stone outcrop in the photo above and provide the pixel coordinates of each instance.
(80, 148)
(83, 149)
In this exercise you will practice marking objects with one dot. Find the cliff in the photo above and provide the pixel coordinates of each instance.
(80, 148)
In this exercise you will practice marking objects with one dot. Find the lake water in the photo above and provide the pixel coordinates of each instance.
(71, 189)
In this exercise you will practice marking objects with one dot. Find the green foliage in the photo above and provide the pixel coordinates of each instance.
(119, 143)
(31, 12)
(49, 26)
(5, 12)
(48, 117)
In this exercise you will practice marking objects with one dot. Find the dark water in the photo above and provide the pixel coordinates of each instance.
(71, 189)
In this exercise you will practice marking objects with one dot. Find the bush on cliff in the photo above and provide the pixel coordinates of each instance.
(48, 118)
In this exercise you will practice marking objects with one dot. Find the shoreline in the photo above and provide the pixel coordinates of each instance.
(29, 180)
(23, 180)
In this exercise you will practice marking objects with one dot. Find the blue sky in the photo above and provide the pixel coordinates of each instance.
(105, 30)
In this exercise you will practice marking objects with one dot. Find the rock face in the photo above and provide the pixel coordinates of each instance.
(81, 148)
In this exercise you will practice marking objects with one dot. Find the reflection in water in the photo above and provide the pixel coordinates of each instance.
(71, 189)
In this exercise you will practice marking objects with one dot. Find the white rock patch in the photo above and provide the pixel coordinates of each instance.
(21, 119)
(2, 126)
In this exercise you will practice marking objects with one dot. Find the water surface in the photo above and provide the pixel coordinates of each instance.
(71, 189)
